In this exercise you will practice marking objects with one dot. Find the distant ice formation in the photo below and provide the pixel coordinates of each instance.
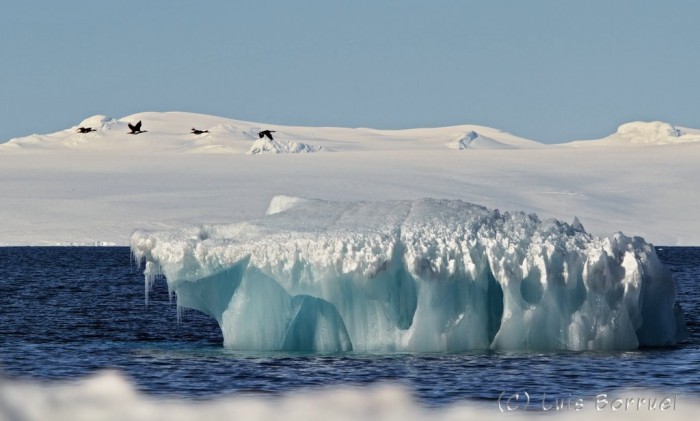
(265, 145)
(653, 133)
(426, 275)
(474, 140)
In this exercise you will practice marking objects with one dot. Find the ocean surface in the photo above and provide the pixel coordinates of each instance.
(69, 312)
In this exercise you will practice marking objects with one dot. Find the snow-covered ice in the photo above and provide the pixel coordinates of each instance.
(424, 275)
(647, 133)
(97, 188)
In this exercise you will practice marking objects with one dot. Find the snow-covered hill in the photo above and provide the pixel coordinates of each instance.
(98, 187)
(646, 133)
(172, 131)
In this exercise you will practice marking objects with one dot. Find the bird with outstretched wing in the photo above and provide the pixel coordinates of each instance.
(267, 133)
(136, 128)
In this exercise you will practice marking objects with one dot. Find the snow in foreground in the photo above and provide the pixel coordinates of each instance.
(108, 396)
(424, 275)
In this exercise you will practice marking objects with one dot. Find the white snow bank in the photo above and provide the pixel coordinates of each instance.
(69, 138)
(233, 131)
(172, 131)
(424, 275)
(108, 396)
(647, 133)
(69, 187)
(266, 145)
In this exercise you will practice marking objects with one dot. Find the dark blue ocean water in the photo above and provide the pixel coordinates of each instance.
(68, 312)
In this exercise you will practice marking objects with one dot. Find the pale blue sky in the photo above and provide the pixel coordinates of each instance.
(549, 70)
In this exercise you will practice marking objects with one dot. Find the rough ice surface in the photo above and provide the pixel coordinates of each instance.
(420, 276)
(265, 145)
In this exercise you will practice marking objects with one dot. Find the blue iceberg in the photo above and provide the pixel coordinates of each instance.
(415, 276)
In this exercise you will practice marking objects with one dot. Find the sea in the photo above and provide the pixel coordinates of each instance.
(70, 312)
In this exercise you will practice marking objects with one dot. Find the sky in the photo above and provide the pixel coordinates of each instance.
(549, 70)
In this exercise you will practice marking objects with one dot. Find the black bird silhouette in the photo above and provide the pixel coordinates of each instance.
(86, 130)
(195, 131)
(136, 128)
(267, 133)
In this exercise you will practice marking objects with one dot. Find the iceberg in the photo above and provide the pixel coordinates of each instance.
(415, 276)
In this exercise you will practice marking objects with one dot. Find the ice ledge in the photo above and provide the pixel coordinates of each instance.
(425, 275)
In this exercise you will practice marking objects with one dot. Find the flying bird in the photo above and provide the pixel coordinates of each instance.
(86, 130)
(267, 133)
(136, 128)
(195, 131)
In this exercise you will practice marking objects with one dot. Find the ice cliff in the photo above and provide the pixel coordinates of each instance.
(426, 275)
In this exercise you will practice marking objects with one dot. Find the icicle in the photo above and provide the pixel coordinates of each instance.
(150, 274)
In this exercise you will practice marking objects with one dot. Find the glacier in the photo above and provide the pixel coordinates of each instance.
(414, 276)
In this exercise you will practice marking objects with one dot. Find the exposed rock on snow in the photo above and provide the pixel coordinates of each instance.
(473, 140)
